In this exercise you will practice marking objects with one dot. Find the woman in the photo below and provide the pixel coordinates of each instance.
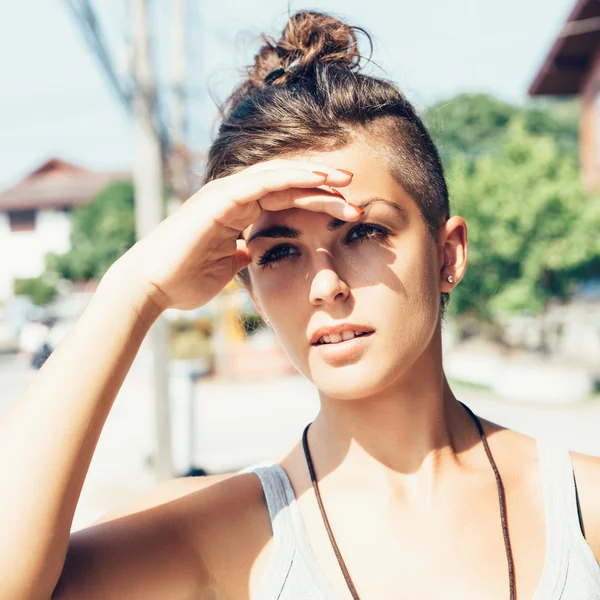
(396, 489)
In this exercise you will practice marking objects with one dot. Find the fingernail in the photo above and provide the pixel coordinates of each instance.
(321, 174)
(338, 193)
(360, 211)
(347, 172)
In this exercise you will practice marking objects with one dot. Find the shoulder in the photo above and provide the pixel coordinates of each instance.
(515, 453)
(586, 470)
(162, 494)
(176, 494)
(519, 453)
(587, 474)
(228, 529)
(209, 512)
(200, 530)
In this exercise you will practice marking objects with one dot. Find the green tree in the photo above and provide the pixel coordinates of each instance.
(533, 231)
(468, 124)
(473, 125)
(38, 289)
(101, 233)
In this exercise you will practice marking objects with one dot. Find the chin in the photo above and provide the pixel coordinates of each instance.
(351, 381)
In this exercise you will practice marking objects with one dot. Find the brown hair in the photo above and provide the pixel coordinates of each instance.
(314, 100)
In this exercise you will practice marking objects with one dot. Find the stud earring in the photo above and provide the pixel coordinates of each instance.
(450, 279)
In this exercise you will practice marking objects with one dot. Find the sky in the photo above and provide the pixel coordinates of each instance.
(56, 102)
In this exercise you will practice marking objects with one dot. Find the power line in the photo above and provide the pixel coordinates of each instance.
(91, 29)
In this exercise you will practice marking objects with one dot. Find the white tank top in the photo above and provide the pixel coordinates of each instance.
(570, 571)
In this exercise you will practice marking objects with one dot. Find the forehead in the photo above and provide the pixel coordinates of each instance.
(358, 151)
(372, 177)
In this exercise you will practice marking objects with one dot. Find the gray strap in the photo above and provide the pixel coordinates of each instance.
(282, 553)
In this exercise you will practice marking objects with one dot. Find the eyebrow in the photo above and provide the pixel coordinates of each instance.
(283, 231)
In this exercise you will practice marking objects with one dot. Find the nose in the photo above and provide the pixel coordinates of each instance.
(327, 286)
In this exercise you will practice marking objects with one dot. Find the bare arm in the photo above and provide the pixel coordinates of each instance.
(48, 437)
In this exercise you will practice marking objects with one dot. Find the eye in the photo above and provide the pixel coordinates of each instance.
(361, 233)
(275, 255)
(367, 231)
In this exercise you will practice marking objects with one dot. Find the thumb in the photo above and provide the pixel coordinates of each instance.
(241, 256)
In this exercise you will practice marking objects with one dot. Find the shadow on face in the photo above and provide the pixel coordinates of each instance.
(310, 270)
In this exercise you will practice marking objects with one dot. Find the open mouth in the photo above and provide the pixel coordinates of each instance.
(338, 338)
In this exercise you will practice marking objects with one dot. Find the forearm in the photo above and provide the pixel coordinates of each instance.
(48, 437)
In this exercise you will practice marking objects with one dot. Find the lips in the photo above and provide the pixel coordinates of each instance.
(345, 352)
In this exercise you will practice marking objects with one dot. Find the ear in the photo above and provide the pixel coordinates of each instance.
(453, 246)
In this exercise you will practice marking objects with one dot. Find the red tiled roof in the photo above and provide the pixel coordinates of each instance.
(569, 59)
(55, 184)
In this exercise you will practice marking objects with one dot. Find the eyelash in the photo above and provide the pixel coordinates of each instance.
(373, 232)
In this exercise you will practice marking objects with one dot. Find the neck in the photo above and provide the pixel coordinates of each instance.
(408, 436)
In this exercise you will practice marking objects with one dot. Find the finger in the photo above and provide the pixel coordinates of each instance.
(241, 256)
(335, 177)
(238, 190)
(286, 191)
(236, 203)
(257, 185)
(314, 200)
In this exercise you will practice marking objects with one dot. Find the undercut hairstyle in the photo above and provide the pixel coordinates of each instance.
(315, 99)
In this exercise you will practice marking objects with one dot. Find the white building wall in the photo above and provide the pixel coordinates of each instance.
(23, 252)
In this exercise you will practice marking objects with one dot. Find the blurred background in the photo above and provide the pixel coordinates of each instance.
(107, 110)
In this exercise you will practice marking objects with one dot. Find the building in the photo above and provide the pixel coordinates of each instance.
(34, 216)
(572, 67)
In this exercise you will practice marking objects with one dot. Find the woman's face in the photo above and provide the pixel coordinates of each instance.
(382, 274)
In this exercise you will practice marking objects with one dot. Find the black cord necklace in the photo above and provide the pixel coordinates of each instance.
(501, 500)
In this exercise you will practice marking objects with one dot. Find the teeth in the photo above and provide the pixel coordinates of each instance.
(335, 338)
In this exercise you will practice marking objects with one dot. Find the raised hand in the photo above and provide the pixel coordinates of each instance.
(190, 256)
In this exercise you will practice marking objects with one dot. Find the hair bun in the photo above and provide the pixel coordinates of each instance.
(308, 38)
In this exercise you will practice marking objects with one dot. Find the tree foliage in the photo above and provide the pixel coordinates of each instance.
(533, 231)
(40, 291)
(474, 124)
(101, 233)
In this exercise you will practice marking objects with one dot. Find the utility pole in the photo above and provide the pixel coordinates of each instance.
(149, 212)
(178, 156)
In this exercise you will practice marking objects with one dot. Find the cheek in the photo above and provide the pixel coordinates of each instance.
(415, 276)
(283, 296)
(279, 293)
(422, 287)
(275, 283)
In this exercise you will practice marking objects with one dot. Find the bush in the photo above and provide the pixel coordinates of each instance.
(38, 289)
